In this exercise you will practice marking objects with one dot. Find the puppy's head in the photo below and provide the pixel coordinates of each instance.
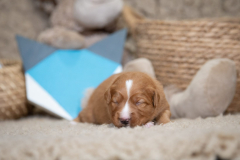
(133, 99)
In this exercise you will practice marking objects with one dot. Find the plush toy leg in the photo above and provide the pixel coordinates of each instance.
(141, 65)
(210, 92)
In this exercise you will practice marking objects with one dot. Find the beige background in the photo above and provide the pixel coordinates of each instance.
(22, 16)
(186, 9)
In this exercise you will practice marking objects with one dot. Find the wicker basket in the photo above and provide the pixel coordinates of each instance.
(12, 90)
(178, 49)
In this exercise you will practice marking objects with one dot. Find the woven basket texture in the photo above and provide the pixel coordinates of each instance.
(12, 90)
(177, 49)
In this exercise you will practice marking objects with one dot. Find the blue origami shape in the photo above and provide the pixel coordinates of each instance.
(56, 79)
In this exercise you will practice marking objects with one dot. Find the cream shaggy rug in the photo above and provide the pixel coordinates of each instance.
(48, 138)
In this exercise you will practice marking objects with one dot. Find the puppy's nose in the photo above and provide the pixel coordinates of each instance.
(124, 121)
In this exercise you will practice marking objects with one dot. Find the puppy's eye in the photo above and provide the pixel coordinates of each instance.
(140, 102)
(115, 102)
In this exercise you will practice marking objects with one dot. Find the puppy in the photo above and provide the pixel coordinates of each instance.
(127, 99)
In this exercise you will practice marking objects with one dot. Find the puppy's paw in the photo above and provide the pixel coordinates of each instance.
(73, 122)
(111, 125)
(149, 124)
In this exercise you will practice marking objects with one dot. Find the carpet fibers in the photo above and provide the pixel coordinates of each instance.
(48, 138)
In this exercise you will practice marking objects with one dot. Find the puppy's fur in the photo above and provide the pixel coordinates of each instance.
(131, 96)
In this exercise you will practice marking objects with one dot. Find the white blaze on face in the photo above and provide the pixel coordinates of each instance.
(125, 113)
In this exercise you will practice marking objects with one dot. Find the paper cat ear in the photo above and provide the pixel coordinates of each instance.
(32, 52)
(111, 47)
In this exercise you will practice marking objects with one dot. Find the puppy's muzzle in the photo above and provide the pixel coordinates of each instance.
(124, 121)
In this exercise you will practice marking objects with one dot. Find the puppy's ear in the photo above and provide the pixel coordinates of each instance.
(107, 96)
(158, 97)
(154, 96)
(163, 101)
(165, 114)
(162, 107)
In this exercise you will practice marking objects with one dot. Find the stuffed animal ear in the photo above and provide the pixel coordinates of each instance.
(107, 96)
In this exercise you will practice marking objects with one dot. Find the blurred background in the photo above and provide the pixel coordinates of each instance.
(31, 17)
(177, 49)
(174, 47)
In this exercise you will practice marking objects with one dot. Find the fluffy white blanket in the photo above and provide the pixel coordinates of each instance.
(48, 138)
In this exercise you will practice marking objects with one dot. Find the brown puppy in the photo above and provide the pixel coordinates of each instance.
(127, 99)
